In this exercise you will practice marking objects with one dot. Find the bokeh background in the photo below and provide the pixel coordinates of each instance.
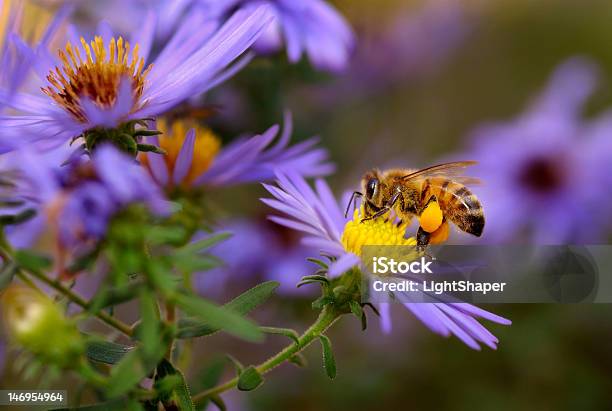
(424, 76)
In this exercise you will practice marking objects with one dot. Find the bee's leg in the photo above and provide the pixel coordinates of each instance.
(385, 209)
(380, 212)
(422, 238)
(353, 200)
(431, 216)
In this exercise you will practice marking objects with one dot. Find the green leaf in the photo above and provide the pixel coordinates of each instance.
(219, 317)
(322, 301)
(298, 359)
(135, 366)
(242, 305)
(356, 308)
(32, 261)
(127, 374)
(7, 274)
(159, 234)
(329, 363)
(111, 296)
(180, 393)
(162, 277)
(237, 364)
(196, 263)
(85, 261)
(218, 401)
(251, 299)
(149, 329)
(106, 352)
(22, 217)
(318, 262)
(364, 321)
(287, 332)
(249, 379)
(204, 243)
(312, 279)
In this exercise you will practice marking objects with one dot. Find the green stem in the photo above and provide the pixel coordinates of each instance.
(327, 317)
(81, 302)
(170, 320)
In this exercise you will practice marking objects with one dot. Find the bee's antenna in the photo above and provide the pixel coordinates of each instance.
(353, 200)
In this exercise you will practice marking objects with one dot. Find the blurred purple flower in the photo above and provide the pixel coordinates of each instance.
(18, 55)
(414, 43)
(257, 250)
(195, 159)
(80, 198)
(311, 27)
(318, 215)
(547, 173)
(196, 58)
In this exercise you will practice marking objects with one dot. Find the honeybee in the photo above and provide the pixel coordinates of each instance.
(436, 195)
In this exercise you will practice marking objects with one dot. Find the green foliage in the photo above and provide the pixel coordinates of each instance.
(19, 218)
(125, 137)
(298, 360)
(105, 351)
(356, 309)
(287, 332)
(177, 393)
(219, 317)
(6, 274)
(241, 305)
(329, 363)
(249, 379)
(109, 296)
(32, 261)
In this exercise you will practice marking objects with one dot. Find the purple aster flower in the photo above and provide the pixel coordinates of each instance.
(317, 214)
(105, 84)
(547, 172)
(79, 199)
(194, 156)
(311, 27)
(257, 250)
(18, 55)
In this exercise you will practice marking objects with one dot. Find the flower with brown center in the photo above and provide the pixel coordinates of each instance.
(97, 77)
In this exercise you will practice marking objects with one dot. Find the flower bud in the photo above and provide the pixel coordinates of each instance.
(36, 323)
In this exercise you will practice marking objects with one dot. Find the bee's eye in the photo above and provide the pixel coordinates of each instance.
(371, 188)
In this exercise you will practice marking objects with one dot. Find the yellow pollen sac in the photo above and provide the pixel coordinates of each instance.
(379, 231)
(96, 76)
(431, 217)
(205, 149)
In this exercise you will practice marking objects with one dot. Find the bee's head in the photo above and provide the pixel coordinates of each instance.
(371, 185)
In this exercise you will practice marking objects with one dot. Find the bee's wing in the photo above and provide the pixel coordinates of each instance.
(453, 171)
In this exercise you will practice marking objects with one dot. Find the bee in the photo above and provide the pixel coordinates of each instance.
(436, 195)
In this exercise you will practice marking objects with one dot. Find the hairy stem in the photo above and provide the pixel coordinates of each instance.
(327, 317)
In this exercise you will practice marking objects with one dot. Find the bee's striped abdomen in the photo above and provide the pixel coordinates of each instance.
(457, 202)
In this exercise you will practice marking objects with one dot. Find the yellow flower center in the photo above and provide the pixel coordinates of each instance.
(206, 146)
(379, 231)
(96, 78)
